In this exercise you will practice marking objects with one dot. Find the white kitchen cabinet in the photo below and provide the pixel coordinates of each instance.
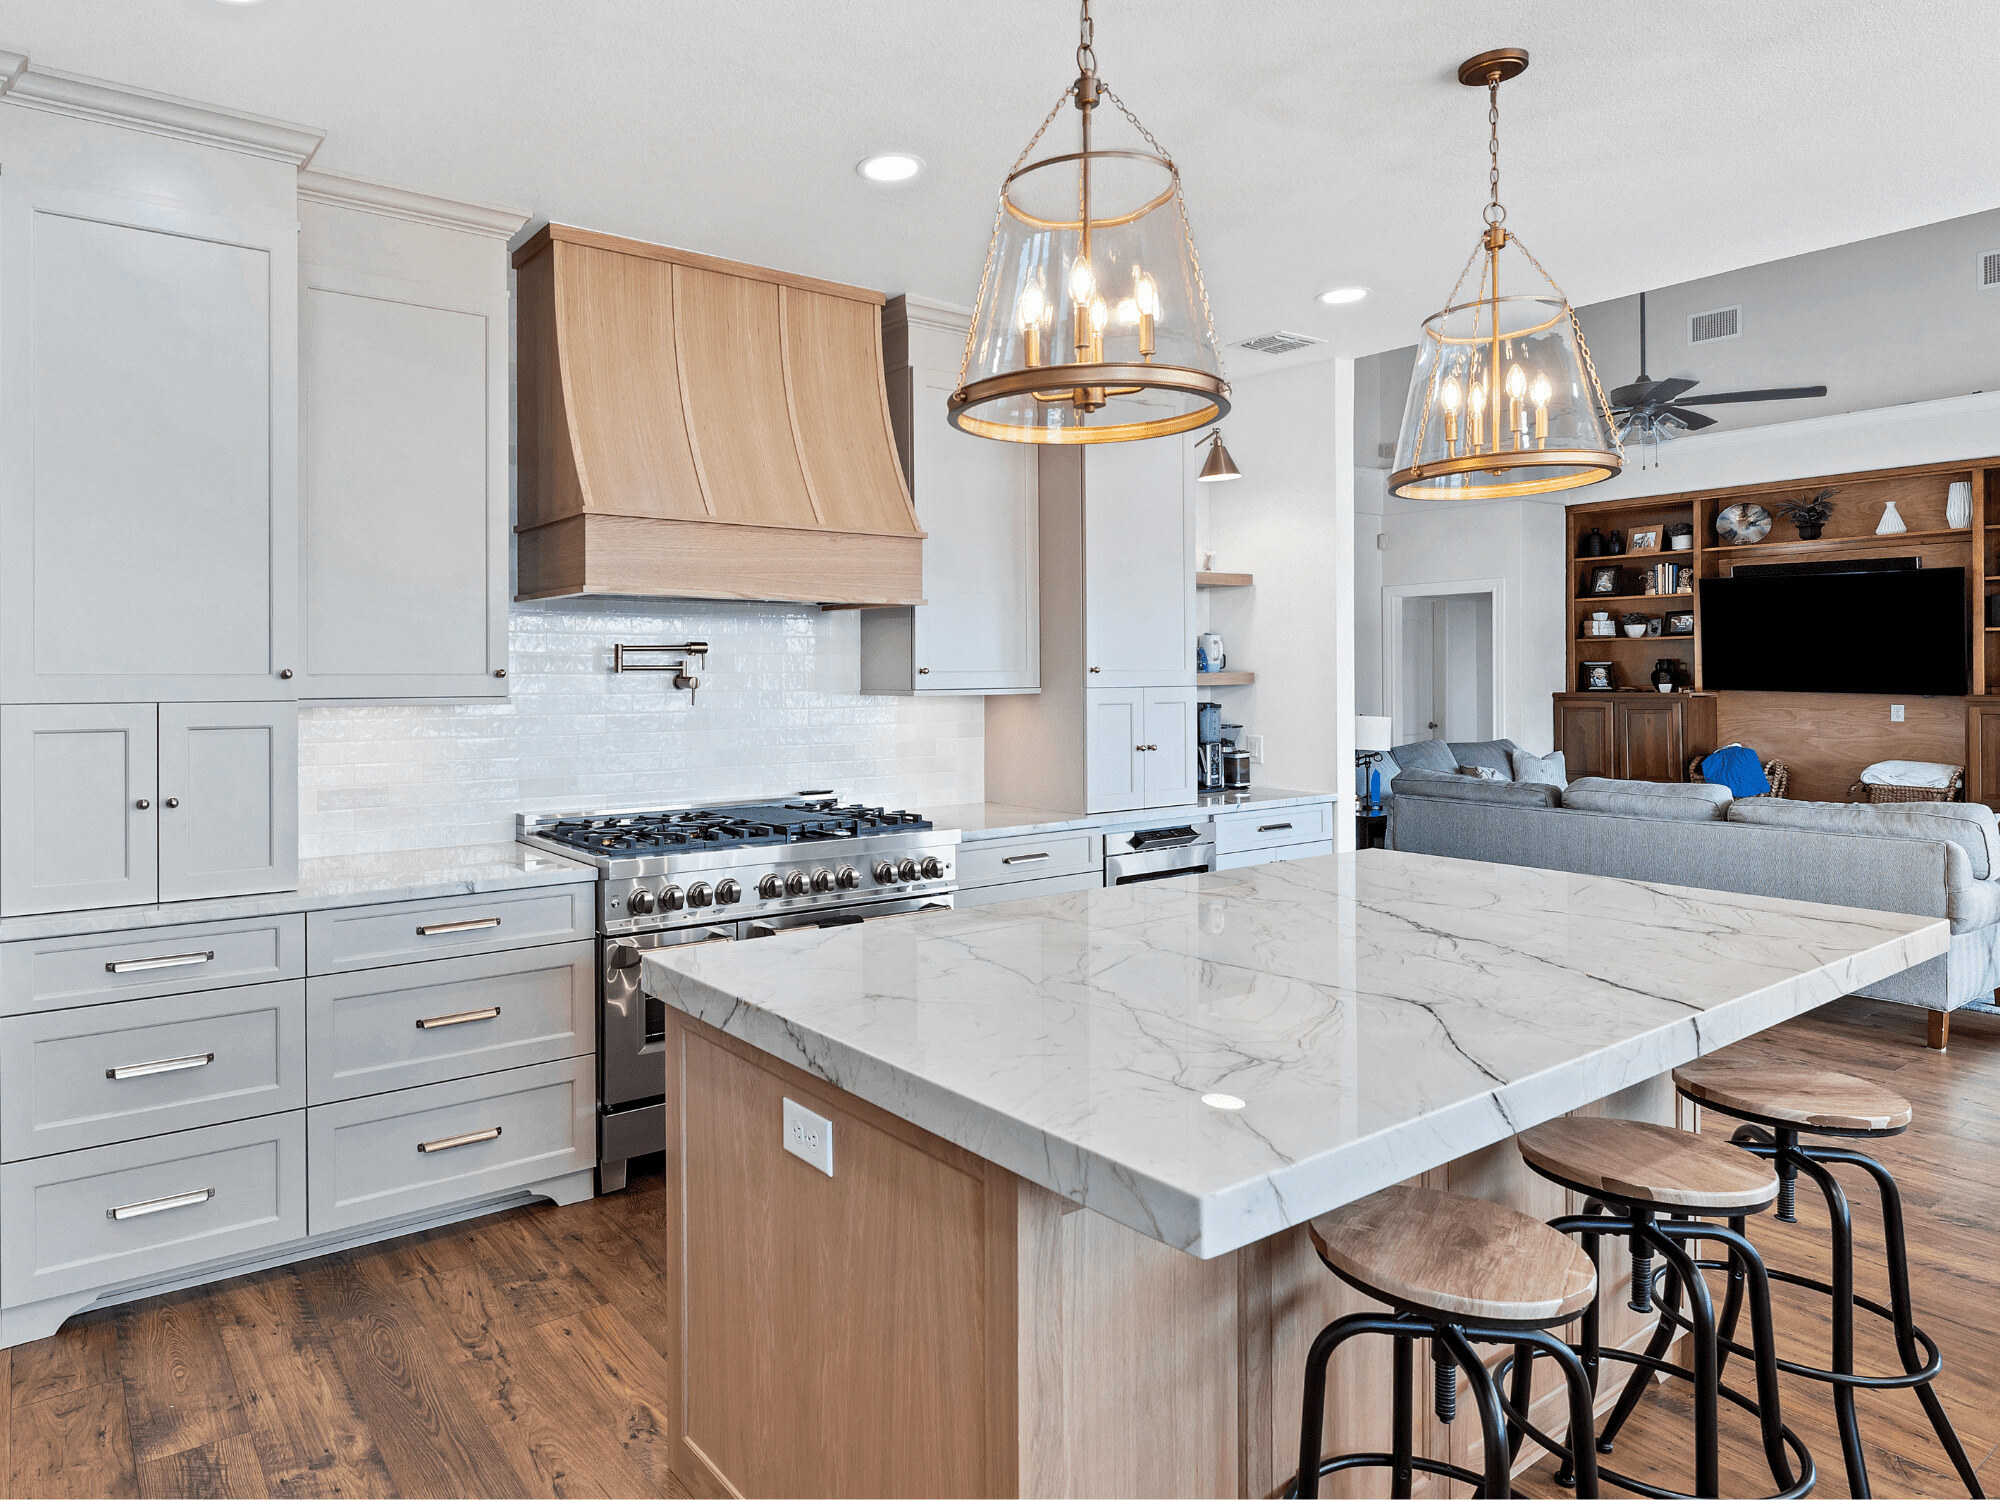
(1138, 565)
(78, 824)
(979, 629)
(403, 525)
(1169, 769)
(1139, 748)
(229, 799)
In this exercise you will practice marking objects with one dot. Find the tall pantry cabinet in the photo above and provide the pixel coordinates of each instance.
(1113, 728)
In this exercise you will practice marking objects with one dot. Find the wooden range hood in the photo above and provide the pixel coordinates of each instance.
(697, 428)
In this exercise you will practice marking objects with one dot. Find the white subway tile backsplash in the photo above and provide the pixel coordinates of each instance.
(778, 711)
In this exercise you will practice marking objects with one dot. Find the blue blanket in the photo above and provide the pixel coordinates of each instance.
(1736, 767)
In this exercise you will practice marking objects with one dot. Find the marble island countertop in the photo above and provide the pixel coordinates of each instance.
(993, 820)
(1376, 1015)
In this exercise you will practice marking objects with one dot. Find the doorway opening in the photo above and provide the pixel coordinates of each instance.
(1444, 665)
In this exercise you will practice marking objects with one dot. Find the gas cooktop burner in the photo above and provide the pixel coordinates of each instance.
(732, 827)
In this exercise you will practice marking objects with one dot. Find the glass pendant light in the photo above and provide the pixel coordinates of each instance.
(1092, 324)
(1504, 400)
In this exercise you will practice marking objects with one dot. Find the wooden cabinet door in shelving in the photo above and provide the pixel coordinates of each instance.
(1982, 745)
(1586, 734)
(1652, 740)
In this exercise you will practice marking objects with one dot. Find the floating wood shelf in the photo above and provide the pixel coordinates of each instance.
(1887, 539)
(1225, 679)
(1635, 640)
(1662, 554)
(1614, 598)
(1222, 580)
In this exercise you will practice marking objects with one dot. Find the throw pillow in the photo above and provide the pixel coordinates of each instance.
(1483, 773)
(1549, 770)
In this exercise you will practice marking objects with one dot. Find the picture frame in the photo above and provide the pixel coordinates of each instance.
(1597, 677)
(1644, 541)
(1680, 622)
(1604, 580)
(1653, 626)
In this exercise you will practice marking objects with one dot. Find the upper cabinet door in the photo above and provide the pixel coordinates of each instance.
(1169, 764)
(1138, 546)
(78, 819)
(403, 503)
(1114, 764)
(229, 799)
(980, 632)
(148, 417)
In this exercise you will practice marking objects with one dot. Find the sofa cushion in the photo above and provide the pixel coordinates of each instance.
(1550, 770)
(1678, 801)
(1481, 773)
(1451, 786)
(1495, 755)
(1970, 825)
(1423, 755)
(1973, 905)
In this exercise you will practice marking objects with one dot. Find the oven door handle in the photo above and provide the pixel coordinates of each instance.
(1163, 838)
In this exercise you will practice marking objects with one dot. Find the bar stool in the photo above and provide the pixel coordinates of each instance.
(1631, 1173)
(1456, 1271)
(1777, 1103)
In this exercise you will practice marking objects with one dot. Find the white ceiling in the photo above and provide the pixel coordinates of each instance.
(1322, 142)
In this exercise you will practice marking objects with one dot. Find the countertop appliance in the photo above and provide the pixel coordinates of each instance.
(1159, 853)
(1208, 747)
(715, 873)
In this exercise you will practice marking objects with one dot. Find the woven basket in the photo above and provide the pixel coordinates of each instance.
(1867, 791)
(1775, 771)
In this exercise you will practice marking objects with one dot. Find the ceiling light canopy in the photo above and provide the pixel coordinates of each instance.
(1503, 400)
(1340, 296)
(1092, 324)
(890, 166)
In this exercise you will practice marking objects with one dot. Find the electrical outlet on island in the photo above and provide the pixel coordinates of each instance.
(1256, 748)
(1895, 713)
(809, 1137)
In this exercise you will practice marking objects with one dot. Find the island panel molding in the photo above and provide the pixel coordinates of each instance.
(1070, 1040)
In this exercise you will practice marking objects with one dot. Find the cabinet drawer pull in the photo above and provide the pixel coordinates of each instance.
(1023, 859)
(458, 1018)
(472, 924)
(471, 1137)
(1271, 827)
(160, 1205)
(164, 1065)
(168, 961)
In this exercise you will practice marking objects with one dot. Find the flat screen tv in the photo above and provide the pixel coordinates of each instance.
(1836, 633)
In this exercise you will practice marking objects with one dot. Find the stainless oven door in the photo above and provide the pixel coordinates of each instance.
(632, 1032)
(844, 917)
(1159, 854)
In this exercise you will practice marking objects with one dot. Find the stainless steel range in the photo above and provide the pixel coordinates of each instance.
(715, 873)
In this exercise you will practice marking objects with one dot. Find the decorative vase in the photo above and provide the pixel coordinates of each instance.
(1615, 547)
(1593, 544)
(1663, 674)
(1635, 631)
(1958, 504)
(1809, 530)
(1891, 522)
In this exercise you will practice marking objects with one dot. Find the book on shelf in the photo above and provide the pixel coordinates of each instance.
(1670, 578)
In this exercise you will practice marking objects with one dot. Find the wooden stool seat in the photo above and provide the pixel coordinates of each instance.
(1790, 1094)
(1460, 1256)
(1633, 1161)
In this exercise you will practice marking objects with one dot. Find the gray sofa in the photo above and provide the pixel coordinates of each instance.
(1930, 859)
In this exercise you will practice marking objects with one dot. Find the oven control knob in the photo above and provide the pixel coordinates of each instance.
(933, 868)
(822, 880)
(795, 883)
(699, 894)
(640, 901)
(907, 870)
(885, 873)
(671, 898)
(848, 878)
(727, 893)
(771, 887)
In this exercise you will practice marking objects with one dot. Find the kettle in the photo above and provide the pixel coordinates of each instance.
(1208, 653)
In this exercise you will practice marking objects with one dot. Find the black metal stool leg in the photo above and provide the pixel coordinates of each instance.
(1404, 1419)
(1732, 1301)
(1589, 1336)
(1581, 1451)
(1701, 1317)
(1842, 1235)
(1494, 1449)
(1312, 1418)
(1521, 1392)
(1656, 1348)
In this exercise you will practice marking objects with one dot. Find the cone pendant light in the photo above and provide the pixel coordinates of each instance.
(1092, 324)
(1504, 400)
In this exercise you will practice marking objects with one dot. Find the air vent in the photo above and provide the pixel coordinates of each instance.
(1989, 269)
(1280, 342)
(1723, 323)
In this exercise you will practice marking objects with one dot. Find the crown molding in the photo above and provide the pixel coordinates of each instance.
(339, 190)
(929, 312)
(21, 82)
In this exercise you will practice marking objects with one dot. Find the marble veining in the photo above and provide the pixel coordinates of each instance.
(1379, 1015)
(336, 880)
(994, 820)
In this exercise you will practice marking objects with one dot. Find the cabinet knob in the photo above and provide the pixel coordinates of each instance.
(176, 802)
(286, 674)
(1097, 669)
(923, 671)
(499, 671)
(142, 804)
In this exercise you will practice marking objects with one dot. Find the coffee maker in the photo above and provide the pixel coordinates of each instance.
(1235, 759)
(1208, 747)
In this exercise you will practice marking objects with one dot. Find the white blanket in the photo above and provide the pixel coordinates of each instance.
(1908, 773)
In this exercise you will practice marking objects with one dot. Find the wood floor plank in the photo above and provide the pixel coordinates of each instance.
(622, 1377)
(179, 1392)
(228, 1467)
(84, 1354)
(73, 1443)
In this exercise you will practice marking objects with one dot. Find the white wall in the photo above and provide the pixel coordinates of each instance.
(777, 713)
(1289, 521)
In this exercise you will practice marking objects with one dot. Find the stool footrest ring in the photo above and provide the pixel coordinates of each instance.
(1388, 1461)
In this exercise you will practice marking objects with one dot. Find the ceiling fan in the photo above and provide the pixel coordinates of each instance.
(1649, 410)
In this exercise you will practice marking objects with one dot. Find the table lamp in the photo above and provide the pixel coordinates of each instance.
(1372, 734)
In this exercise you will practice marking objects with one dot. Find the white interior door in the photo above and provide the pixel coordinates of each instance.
(1446, 668)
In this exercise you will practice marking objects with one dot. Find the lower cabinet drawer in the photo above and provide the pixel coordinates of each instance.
(44, 973)
(1305, 824)
(424, 1023)
(1001, 861)
(144, 1208)
(401, 932)
(1023, 890)
(1249, 857)
(71, 1079)
(415, 1149)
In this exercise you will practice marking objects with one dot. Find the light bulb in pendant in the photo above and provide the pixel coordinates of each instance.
(1035, 311)
(1539, 394)
(1099, 315)
(1127, 312)
(1449, 397)
(1517, 387)
(1147, 297)
(1475, 401)
(1082, 282)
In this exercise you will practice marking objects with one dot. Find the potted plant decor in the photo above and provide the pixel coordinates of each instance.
(1809, 516)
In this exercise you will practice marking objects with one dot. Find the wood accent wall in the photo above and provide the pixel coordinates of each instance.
(1827, 739)
(696, 428)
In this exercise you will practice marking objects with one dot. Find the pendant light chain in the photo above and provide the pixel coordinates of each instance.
(1582, 345)
(1494, 213)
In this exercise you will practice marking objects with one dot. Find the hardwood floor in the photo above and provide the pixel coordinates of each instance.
(522, 1354)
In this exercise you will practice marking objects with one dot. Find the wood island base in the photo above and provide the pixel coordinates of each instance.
(923, 1322)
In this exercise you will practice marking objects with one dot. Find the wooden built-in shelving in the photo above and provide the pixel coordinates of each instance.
(1224, 679)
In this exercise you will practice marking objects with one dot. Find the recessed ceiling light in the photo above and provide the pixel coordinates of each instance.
(891, 166)
(1343, 294)
(1222, 1101)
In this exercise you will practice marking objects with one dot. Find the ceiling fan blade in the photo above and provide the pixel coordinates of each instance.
(1788, 393)
(1693, 419)
(1665, 392)
(1626, 396)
